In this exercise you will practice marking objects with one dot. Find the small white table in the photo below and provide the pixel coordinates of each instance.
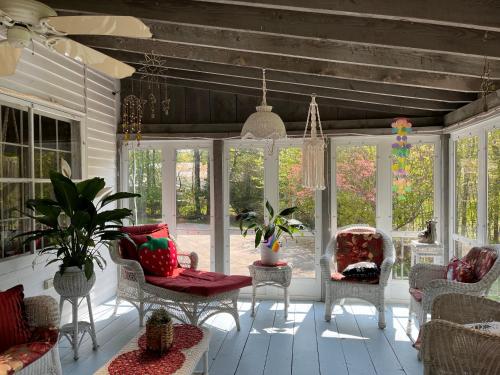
(279, 276)
(424, 250)
(192, 355)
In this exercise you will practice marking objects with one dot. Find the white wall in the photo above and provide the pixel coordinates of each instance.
(60, 80)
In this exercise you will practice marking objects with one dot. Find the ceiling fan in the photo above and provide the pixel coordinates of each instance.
(28, 20)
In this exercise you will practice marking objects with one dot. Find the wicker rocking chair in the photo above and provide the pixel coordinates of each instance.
(450, 348)
(427, 281)
(371, 292)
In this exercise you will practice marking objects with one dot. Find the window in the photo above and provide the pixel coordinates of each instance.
(145, 178)
(356, 184)
(246, 192)
(31, 146)
(466, 186)
(493, 163)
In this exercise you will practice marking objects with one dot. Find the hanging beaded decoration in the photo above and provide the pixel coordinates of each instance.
(165, 103)
(152, 104)
(132, 110)
(313, 154)
(400, 152)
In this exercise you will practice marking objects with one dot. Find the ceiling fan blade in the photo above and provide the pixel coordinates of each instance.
(90, 57)
(100, 25)
(9, 56)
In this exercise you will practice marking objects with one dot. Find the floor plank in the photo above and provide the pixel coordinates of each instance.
(303, 344)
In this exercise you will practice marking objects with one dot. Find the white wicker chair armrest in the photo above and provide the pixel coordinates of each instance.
(328, 266)
(42, 311)
(188, 260)
(422, 274)
(385, 270)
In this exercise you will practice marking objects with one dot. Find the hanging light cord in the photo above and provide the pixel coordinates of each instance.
(264, 89)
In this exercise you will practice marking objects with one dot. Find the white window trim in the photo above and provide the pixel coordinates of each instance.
(479, 129)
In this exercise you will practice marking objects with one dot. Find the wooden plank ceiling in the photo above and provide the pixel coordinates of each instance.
(416, 58)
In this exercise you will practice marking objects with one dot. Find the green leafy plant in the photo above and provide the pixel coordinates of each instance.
(276, 226)
(159, 316)
(75, 223)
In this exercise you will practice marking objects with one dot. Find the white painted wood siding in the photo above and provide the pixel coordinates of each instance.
(60, 80)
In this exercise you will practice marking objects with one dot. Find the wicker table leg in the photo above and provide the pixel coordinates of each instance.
(286, 301)
(205, 363)
(254, 287)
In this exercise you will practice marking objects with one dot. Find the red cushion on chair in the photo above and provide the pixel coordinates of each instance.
(159, 262)
(481, 260)
(201, 283)
(138, 234)
(358, 245)
(418, 294)
(14, 327)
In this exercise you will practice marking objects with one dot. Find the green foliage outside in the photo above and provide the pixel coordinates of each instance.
(494, 186)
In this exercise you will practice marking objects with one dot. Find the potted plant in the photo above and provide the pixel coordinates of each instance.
(72, 227)
(267, 234)
(159, 331)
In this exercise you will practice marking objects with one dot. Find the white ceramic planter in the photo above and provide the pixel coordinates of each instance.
(267, 256)
(73, 283)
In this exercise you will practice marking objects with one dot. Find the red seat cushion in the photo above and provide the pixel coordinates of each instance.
(418, 294)
(358, 245)
(158, 261)
(14, 327)
(138, 234)
(337, 276)
(201, 283)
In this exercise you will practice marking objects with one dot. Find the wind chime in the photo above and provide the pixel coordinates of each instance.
(153, 71)
(132, 110)
(313, 153)
(400, 152)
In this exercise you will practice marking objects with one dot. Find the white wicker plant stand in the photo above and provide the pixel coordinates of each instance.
(42, 311)
(373, 293)
(192, 355)
(278, 276)
(431, 279)
(187, 308)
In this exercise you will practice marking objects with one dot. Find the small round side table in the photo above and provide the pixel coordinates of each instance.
(279, 275)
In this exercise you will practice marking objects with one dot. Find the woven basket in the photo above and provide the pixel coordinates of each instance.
(159, 337)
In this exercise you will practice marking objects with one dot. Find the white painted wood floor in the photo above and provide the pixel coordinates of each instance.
(304, 344)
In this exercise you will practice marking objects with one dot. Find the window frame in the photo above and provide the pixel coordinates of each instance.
(481, 130)
(74, 118)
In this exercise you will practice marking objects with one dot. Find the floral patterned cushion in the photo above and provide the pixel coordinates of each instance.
(19, 356)
(481, 260)
(358, 245)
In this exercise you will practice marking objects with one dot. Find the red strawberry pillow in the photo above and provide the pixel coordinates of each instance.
(158, 256)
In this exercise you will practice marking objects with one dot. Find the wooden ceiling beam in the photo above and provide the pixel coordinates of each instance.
(322, 50)
(482, 14)
(321, 92)
(301, 79)
(301, 98)
(367, 31)
(288, 64)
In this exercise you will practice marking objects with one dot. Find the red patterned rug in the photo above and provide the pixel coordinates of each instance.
(141, 361)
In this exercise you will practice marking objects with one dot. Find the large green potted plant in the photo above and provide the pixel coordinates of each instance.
(73, 226)
(267, 232)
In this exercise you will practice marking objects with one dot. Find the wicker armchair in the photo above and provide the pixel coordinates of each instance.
(449, 348)
(373, 293)
(43, 311)
(430, 280)
(186, 307)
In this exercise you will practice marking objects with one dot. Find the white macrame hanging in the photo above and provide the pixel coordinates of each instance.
(313, 153)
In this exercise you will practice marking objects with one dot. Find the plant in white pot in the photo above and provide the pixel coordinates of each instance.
(268, 233)
(72, 228)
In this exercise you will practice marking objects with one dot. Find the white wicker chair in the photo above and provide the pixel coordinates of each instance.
(431, 280)
(450, 348)
(43, 311)
(373, 293)
(186, 307)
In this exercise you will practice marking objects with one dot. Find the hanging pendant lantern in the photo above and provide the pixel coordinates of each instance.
(313, 152)
(263, 124)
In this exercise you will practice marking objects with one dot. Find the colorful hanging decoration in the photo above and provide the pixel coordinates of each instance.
(313, 152)
(400, 152)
